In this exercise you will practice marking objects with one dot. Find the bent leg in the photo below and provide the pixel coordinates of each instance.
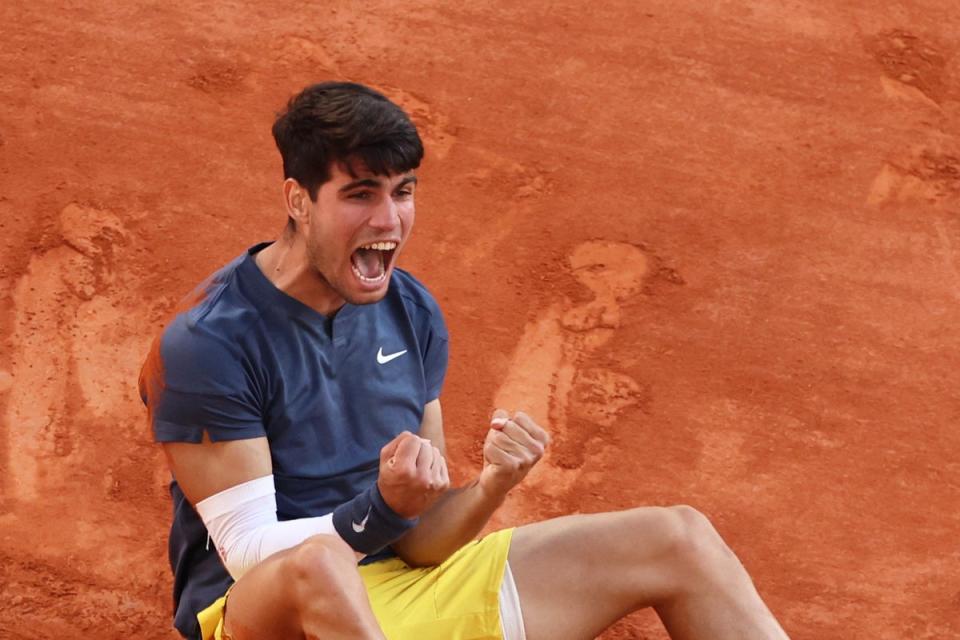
(310, 591)
(577, 575)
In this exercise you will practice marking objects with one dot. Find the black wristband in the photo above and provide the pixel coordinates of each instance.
(368, 524)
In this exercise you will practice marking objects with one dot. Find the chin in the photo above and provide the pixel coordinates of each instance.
(366, 292)
(367, 298)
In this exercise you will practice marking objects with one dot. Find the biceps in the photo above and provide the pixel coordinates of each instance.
(431, 427)
(207, 468)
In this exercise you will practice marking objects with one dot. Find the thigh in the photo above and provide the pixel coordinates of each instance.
(576, 575)
(457, 599)
(313, 589)
(261, 604)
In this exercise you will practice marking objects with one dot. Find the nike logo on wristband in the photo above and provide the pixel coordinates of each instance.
(362, 525)
(382, 359)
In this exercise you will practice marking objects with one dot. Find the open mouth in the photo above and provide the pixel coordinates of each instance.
(371, 262)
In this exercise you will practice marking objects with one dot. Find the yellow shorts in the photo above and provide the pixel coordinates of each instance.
(457, 600)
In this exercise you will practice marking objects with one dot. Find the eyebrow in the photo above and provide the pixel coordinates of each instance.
(374, 183)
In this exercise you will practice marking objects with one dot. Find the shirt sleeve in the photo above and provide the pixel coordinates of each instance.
(431, 332)
(435, 362)
(195, 382)
(435, 349)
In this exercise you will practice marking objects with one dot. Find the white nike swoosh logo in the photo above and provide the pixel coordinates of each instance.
(362, 525)
(382, 359)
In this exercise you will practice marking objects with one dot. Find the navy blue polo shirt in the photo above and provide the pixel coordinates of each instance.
(245, 360)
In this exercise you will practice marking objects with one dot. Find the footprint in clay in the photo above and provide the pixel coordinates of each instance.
(548, 376)
(913, 68)
(921, 176)
(70, 330)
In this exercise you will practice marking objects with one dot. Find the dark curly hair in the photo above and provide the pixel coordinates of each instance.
(342, 122)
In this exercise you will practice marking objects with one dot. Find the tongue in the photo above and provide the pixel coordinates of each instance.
(369, 262)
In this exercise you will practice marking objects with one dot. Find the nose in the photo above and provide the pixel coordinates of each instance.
(386, 216)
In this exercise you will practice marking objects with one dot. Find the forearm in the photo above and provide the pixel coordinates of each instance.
(453, 521)
(242, 522)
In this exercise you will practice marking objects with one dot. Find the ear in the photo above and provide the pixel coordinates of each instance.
(297, 201)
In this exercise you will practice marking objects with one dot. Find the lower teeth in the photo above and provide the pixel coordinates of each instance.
(364, 278)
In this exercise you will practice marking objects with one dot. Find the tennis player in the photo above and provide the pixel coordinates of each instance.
(297, 398)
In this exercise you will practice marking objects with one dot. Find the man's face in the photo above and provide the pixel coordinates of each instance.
(357, 227)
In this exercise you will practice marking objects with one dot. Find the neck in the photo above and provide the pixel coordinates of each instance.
(286, 263)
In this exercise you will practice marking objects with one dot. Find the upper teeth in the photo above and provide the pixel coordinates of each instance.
(381, 246)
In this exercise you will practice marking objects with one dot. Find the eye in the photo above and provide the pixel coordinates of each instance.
(360, 195)
(405, 193)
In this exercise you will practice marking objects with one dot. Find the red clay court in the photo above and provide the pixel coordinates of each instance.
(715, 247)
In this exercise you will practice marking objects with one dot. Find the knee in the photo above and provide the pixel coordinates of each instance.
(325, 590)
(688, 541)
(691, 525)
(696, 544)
(320, 566)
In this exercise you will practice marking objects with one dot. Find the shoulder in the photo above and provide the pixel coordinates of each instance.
(210, 333)
(431, 330)
(417, 299)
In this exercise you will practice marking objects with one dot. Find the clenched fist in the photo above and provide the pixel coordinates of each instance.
(413, 474)
(513, 445)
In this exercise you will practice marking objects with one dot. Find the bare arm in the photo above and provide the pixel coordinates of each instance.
(240, 515)
(454, 520)
(459, 515)
(208, 468)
